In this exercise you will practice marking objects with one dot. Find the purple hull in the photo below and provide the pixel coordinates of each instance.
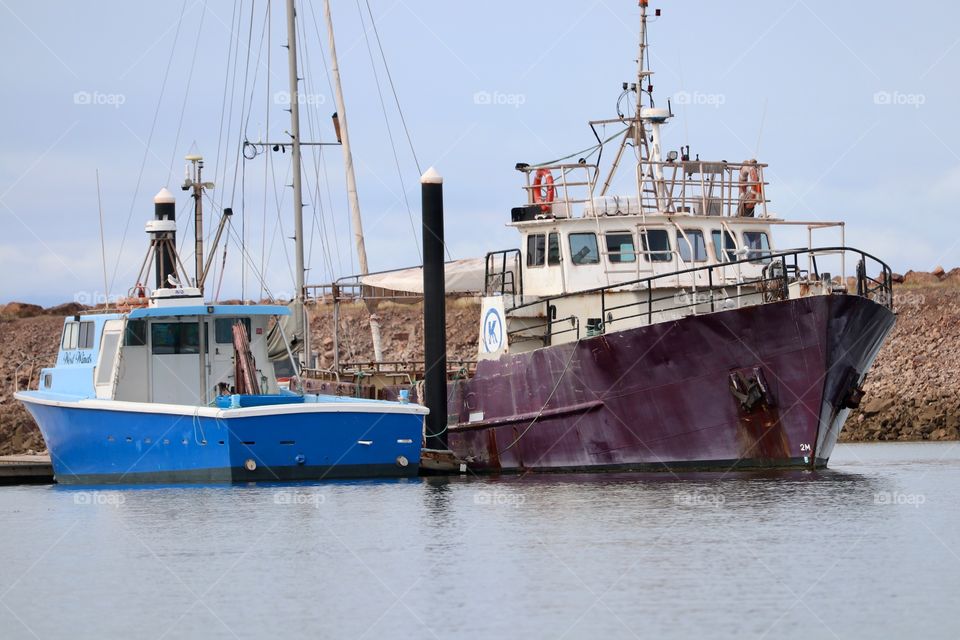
(660, 397)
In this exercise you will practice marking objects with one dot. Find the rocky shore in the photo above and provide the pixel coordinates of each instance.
(912, 392)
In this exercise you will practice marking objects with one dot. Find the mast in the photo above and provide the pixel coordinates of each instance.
(641, 56)
(345, 143)
(297, 185)
(356, 221)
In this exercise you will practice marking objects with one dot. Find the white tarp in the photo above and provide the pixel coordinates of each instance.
(462, 276)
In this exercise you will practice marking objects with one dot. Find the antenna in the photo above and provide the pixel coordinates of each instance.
(103, 247)
(763, 118)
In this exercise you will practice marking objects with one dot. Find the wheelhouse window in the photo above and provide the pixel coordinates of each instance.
(620, 247)
(85, 340)
(70, 335)
(135, 334)
(758, 246)
(553, 249)
(583, 248)
(691, 245)
(78, 335)
(223, 329)
(656, 245)
(168, 338)
(536, 245)
(724, 246)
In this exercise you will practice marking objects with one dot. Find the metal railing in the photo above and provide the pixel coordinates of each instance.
(781, 271)
(503, 273)
(692, 187)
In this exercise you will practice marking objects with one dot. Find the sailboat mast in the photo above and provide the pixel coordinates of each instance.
(345, 143)
(356, 221)
(297, 184)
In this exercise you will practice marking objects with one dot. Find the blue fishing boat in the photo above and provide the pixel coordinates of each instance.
(167, 387)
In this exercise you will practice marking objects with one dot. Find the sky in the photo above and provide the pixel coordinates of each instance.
(851, 104)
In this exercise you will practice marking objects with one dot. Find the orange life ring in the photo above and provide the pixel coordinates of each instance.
(750, 184)
(544, 192)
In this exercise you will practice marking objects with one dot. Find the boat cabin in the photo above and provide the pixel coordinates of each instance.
(171, 352)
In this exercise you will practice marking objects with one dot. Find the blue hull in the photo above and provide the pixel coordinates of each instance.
(99, 446)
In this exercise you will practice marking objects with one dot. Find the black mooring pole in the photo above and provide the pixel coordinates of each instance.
(434, 310)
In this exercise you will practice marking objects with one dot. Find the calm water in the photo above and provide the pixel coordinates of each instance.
(868, 549)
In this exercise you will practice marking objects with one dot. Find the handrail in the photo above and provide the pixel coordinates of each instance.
(886, 286)
(515, 272)
(30, 361)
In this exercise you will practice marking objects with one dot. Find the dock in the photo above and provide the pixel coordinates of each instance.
(26, 469)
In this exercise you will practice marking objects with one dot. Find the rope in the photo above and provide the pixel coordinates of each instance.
(547, 401)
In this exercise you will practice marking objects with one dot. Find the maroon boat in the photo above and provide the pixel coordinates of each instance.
(648, 322)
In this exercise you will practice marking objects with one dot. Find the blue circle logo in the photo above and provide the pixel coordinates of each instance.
(492, 332)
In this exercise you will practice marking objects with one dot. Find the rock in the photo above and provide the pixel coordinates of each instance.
(20, 310)
(896, 278)
(873, 406)
(66, 309)
(919, 278)
(938, 271)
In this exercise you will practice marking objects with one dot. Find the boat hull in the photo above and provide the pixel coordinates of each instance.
(90, 444)
(659, 397)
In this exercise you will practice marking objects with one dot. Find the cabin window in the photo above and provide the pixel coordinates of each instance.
(168, 338)
(536, 245)
(78, 335)
(135, 334)
(656, 245)
(758, 246)
(691, 245)
(85, 340)
(728, 251)
(620, 247)
(583, 248)
(108, 351)
(553, 249)
(223, 329)
(70, 335)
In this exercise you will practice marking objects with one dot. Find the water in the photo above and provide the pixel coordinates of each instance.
(868, 549)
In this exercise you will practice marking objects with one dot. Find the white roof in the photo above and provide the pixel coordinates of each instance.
(462, 276)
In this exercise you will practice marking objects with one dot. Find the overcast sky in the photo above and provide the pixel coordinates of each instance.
(853, 105)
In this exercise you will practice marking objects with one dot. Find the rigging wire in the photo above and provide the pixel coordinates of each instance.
(393, 88)
(326, 176)
(386, 121)
(593, 149)
(146, 150)
(266, 175)
(317, 212)
(186, 94)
